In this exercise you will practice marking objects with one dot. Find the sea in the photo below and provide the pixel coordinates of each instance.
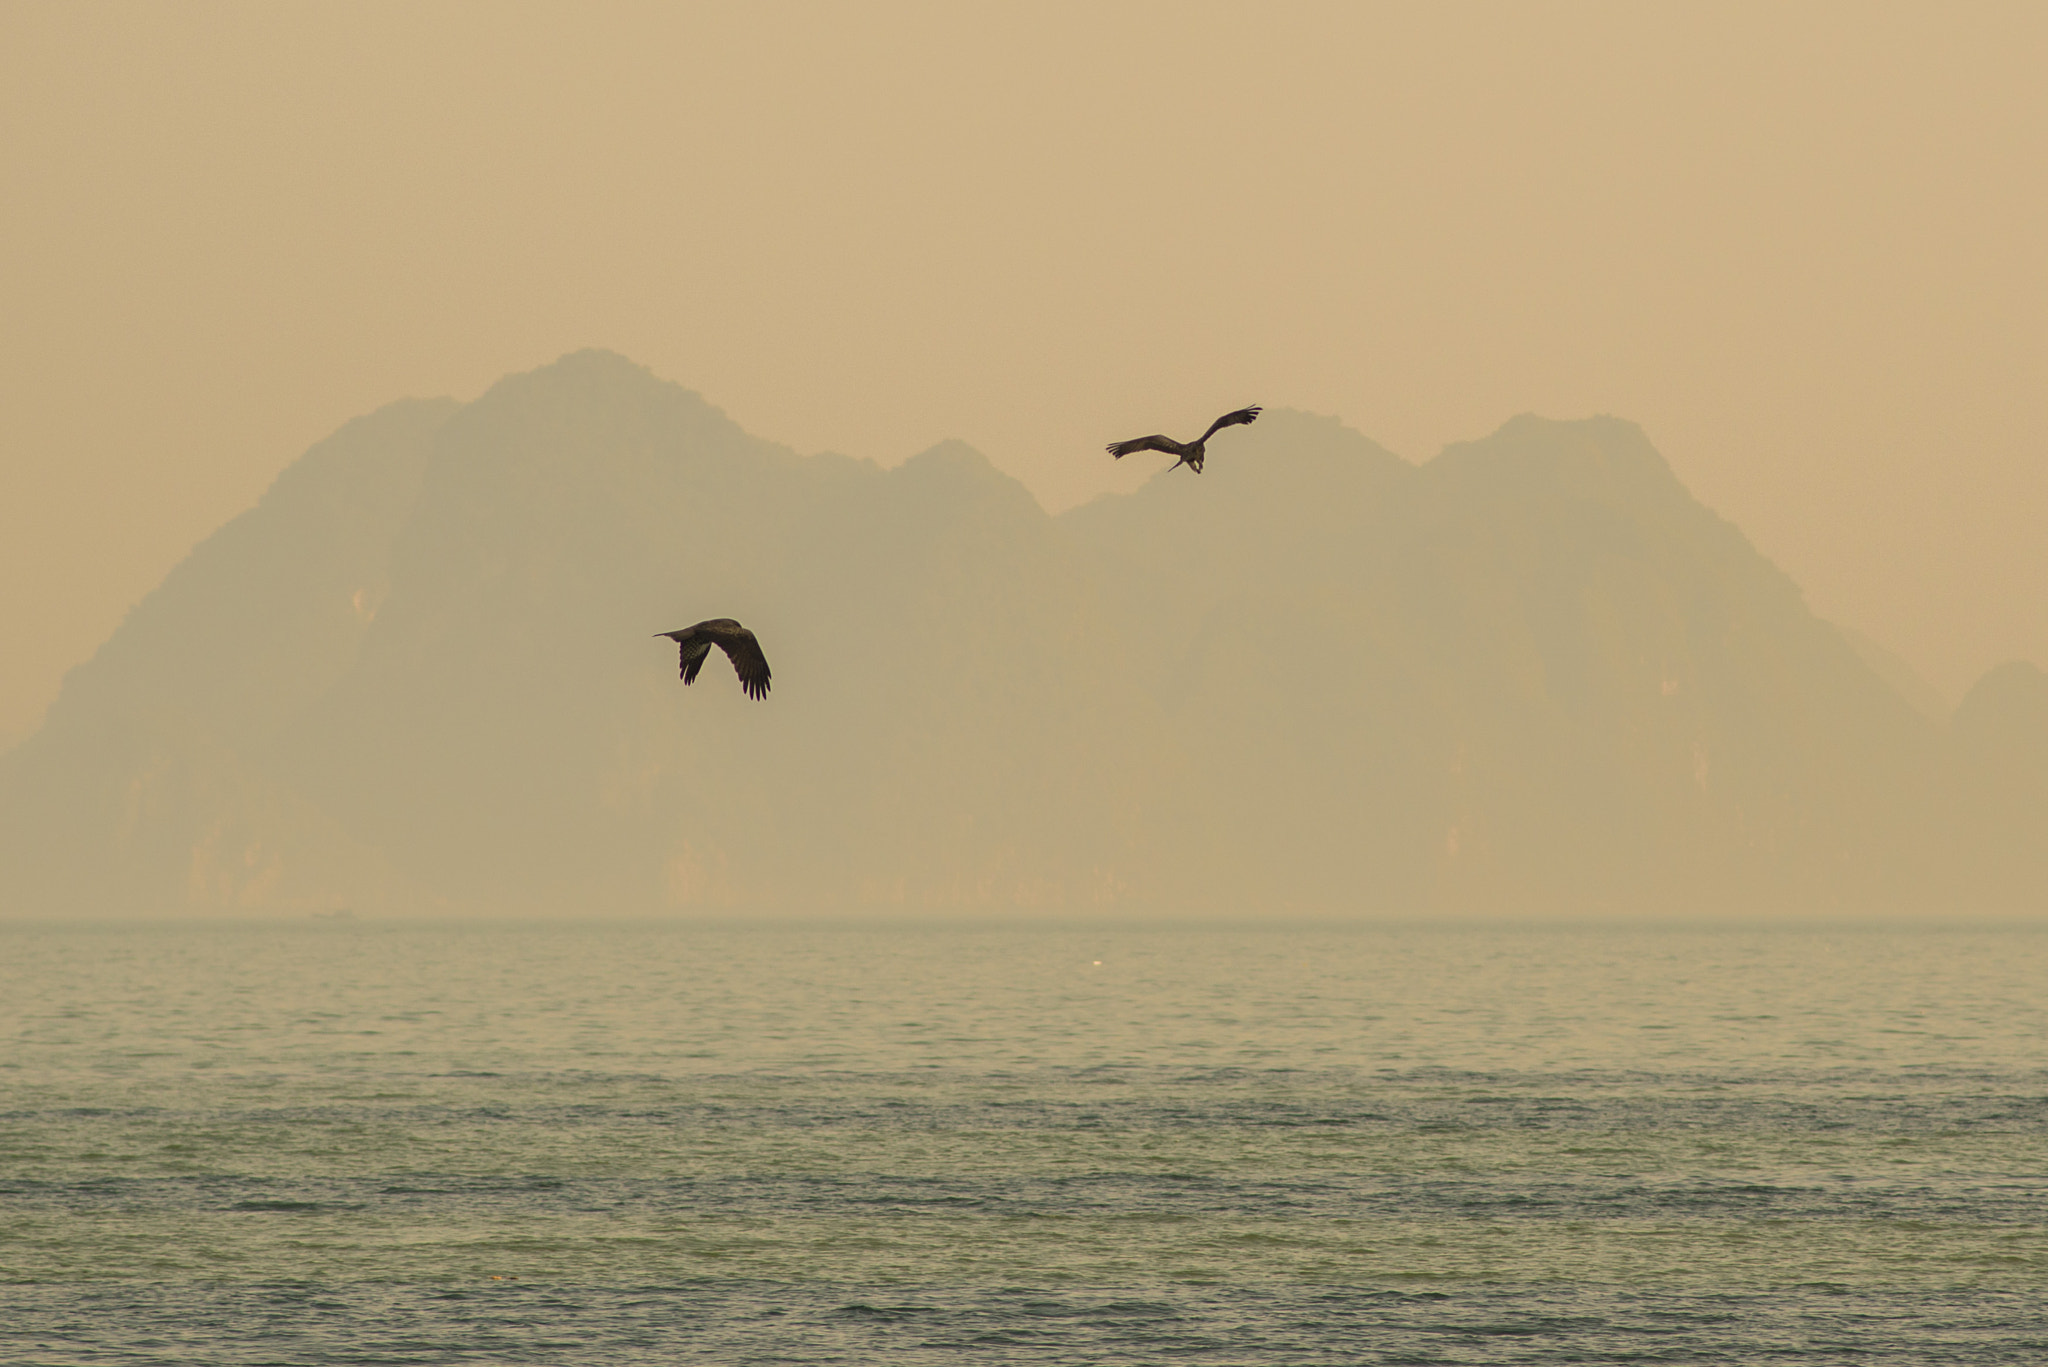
(359, 1142)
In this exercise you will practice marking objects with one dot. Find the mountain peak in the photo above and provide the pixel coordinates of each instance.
(956, 469)
(1586, 455)
(594, 383)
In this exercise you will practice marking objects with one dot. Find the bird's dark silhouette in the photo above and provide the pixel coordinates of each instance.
(738, 644)
(1191, 453)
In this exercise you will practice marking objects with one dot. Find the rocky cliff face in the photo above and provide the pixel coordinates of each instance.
(1533, 675)
(153, 785)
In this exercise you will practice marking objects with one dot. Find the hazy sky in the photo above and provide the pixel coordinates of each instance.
(1801, 244)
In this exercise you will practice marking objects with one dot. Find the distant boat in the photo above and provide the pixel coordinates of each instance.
(1191, 453)
(735, 640)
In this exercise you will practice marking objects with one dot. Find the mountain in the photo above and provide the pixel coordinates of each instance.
(1531, 676)
(1905, 680)
(469, 708)
(150, 784)
(2000, 732)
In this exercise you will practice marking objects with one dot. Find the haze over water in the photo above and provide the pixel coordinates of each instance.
(361, 1142)
(1643, 528)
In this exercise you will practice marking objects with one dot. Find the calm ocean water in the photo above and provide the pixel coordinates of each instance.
(373, 1144)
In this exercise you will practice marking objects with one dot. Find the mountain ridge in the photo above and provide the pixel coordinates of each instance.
(1530, 676)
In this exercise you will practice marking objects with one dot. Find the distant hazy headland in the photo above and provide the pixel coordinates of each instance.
(1533, 676)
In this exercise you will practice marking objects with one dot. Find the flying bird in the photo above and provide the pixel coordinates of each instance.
(738, 644)
(1192, 453)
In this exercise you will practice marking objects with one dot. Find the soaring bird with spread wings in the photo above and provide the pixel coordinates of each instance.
(1192, 453)
(738, 644)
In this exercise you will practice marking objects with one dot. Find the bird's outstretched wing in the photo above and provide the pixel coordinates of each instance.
(695, 644)
(1152, 443)
(747, 661)
(1231, 420)
(693, 659)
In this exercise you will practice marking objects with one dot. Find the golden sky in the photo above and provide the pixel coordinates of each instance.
(1801, 244)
